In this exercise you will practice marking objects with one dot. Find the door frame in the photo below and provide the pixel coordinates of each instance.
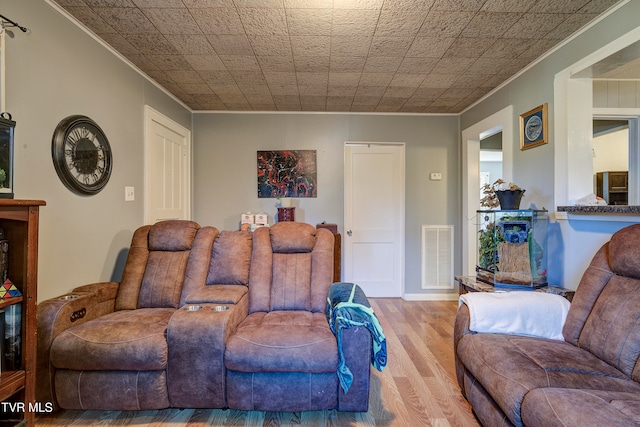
(150, 116)
(471, 136)
(402, 224)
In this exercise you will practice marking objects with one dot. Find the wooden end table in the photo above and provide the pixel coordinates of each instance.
(471, 284)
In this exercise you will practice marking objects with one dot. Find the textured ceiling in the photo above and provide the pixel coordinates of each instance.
(418, 56)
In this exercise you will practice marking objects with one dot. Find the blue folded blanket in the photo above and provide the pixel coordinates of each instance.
(347, 306)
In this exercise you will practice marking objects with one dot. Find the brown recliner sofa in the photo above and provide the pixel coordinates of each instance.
(591, 378)
(204, 319)
(283, 355)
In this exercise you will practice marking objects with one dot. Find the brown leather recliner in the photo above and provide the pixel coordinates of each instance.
(284, 356)
(206, 319)
(591, 377)
(104, 345)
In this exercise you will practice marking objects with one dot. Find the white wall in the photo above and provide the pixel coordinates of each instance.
(56, 71)
(225, 146)
(616, 94)
(494, 169)
(611, 151)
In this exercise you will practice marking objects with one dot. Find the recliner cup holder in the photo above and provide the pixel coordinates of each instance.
(192, 308)
(68, 297)
(220, 308)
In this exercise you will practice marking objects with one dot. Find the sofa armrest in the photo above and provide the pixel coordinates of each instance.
(58, 314)
(356, 349)
(106, 293)
(361, 342)
(218, 294)
(520, 312)
(460, 329)
(528, 313)
(196, 338)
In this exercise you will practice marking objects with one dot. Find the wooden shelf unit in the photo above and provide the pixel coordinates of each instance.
(613, 187)
(19, 221)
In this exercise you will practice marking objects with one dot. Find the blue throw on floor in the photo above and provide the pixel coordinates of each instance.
(347, 306)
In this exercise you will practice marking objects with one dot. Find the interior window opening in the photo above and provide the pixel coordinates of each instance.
(490, 159)
(611, 161)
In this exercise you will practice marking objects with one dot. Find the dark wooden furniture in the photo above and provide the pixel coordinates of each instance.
(337, 257)
(613, 187)
(19, 221)
(471, 284)
(337, 250)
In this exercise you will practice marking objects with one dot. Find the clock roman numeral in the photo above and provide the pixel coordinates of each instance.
(89, 178)
(77, 134)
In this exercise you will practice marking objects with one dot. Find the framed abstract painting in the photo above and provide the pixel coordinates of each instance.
(287, 173)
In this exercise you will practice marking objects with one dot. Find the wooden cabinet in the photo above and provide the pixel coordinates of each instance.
(19, 221)
(613, 187)
(337, 250)
(337, 257)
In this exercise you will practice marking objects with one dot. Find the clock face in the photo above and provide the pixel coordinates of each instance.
(533, 128)
(81, 155)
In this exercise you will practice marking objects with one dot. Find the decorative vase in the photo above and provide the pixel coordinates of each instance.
(285, 202)
(509, 199)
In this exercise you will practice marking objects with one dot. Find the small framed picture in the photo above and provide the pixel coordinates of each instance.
(533, 127)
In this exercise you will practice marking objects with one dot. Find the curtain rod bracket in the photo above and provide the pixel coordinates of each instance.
(8, 23)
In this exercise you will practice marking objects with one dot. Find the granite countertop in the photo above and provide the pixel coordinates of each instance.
(601, 209)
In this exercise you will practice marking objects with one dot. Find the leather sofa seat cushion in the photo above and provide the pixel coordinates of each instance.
(218, 294)
(509, 366)
(124, 340)
(557, 407)
(283, 341)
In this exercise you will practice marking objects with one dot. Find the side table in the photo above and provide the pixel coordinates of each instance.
(471, 284)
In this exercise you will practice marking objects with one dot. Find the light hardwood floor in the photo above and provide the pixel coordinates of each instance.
(417, 388)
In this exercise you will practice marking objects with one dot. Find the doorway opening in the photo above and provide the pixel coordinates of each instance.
(500, 122)
(490, 159)
(611, 161)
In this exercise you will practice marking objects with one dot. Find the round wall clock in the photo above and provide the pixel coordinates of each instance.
(81, 155)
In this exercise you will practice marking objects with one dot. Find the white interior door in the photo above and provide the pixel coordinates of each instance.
(167, 169)
(374, 218)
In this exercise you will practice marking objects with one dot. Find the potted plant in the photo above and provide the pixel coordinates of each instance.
(499, 194)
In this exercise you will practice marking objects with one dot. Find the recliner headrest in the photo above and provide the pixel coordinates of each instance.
(172, 235)
(624, 252)
(292, 237)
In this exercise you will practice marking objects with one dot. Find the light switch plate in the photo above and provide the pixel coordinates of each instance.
(435, 176)
(129, 194)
